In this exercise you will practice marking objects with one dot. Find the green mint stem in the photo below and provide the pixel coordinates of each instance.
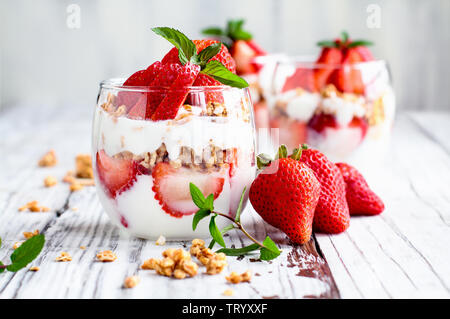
(240, 227)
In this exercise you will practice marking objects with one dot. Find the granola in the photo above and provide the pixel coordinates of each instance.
(236, 278)
(28, 234)
(64, 257)
(48, 159)
(131, 282)
(106, 256)
(176, 263)
(34, 207)
(50, 181)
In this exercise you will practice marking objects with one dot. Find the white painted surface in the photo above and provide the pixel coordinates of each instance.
(402, 253)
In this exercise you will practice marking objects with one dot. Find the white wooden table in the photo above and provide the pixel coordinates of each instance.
(402, 253)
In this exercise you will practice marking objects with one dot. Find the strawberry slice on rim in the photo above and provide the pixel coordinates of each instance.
(116, 174)
(171, 187)
(177, 93)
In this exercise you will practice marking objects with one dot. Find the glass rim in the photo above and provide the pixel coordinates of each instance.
(117, 84)
(308, 62)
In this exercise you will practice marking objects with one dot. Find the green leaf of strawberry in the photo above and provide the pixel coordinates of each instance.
(359, 43)
(219, 72)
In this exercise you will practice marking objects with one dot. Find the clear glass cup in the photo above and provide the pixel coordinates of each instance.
(344, 110)
(143, 167)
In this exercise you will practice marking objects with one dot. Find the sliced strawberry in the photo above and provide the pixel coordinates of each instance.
(243, 54)
(320, 122)
(361, 123)
(177, 93)
(364, 53)
(212, 96)
(139, 78)
(171, 187)
(302, 78)
(165, 78)
(116, 174)
(329, 59)
(139, 110)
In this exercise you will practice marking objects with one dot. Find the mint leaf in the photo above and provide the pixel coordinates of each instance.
(202, 213)
(26, 253)
(215, 232)
(219, 72)
(223, 231)
(237, 219)
(186, 48)
(213, 31)
(207, 53)
(1, 268)
(209, 203)
(358, 43)
(238, 251)
(270, 250)
(197, 195)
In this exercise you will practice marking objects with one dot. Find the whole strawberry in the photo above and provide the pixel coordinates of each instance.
(360, 198)
(332, 214)
(285, 195)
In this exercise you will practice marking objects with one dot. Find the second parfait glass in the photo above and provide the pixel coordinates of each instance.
(344, 110)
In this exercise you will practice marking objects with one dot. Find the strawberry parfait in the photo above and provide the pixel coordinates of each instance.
(184, 119)
(252, 63)
(342, 104)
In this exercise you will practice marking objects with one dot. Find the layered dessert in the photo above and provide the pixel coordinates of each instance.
(252, 63)
(342, 104)
(167, 126)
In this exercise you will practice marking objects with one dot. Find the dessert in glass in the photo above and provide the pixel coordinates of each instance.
(342, 104)
(161, 130)
(252, 63)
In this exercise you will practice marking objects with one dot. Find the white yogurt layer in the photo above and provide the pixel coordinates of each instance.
(117, 134)
(344, 110)
(303, 106)
(146, 218)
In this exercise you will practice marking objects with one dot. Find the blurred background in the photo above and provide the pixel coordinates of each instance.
(55, 53)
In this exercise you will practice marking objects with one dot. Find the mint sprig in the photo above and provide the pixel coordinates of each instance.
(268, 249)
(187, 53)
(24, 254)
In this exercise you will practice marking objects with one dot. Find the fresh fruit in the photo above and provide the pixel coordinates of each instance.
(301, 78)
(328, 61)
(139, 78)
(242, 47)
(321, 121)
(360, 198)
(342, 55)
(175, 96)
(285, 195)
(331, 215)
(115, 173)
(171, 187)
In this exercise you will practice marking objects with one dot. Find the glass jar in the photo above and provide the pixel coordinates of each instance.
(143, 167)
(344, 110)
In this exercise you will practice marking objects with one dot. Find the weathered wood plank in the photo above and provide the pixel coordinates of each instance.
(403, 252)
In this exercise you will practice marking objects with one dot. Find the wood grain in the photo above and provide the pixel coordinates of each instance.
(402, 253)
